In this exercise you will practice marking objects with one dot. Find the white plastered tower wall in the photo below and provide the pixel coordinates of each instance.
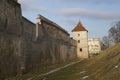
(81, 36)
(82, 43)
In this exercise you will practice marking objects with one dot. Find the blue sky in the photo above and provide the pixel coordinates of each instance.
(97, 16)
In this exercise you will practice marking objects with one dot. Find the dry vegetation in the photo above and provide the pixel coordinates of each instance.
(103, 67)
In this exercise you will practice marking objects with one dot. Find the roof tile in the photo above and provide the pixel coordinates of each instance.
(79, 27)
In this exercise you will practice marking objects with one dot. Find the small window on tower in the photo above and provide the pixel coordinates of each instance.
(78, 34)
(80, 49)
(78, 41)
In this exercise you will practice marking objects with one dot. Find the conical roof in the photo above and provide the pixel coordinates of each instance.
(79, 27)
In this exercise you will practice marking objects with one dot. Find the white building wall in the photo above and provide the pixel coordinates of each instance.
(94, 46)
(82, 44)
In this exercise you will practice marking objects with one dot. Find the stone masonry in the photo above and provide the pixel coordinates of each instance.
(25, 46)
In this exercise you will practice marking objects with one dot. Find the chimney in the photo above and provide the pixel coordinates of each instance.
(38, 21)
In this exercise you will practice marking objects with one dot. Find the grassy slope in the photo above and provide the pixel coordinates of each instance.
(40, 71)
(101, 67)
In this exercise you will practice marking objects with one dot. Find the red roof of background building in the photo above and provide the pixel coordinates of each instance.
(79, 27)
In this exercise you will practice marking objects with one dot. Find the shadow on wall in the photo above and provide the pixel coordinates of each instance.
(25, 46)
(9, 55)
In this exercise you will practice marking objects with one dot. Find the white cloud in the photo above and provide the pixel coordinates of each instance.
(26, 1)
(90, 1)
(30, 5)
(95, 14)
(35, 8)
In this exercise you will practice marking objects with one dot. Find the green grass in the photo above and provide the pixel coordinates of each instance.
(101, 67)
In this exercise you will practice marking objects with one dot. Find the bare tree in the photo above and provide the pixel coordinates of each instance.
(106, 41)
(118, 30)
(114, 33)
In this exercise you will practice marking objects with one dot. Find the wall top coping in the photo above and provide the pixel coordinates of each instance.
(42, 18)
(28, 20)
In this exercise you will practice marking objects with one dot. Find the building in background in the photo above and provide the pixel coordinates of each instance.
(94, 46)
(80, 34)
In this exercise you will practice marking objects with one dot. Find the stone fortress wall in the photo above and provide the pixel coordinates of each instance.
(25, 46)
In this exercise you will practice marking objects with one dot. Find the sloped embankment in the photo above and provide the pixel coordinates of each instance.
(106, 66)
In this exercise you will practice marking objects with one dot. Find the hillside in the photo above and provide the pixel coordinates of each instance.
(103, 67)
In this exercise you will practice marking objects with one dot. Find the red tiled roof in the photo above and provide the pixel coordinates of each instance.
(79, 27)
